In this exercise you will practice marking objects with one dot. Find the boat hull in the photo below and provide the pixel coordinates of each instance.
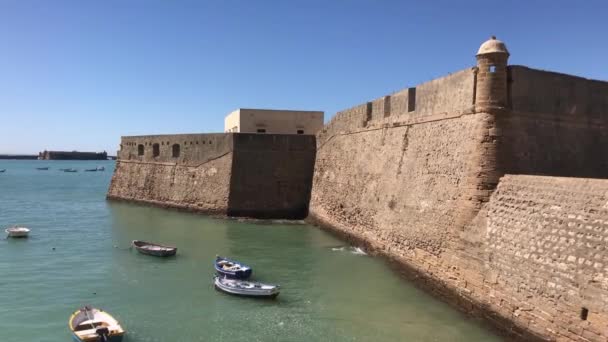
(17, 234)
(167, 251)
(111, 338)
(252, 293)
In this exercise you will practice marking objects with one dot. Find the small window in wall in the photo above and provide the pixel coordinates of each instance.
(492, 68)
(411, 99)
(300, 131)
(261, 130)
(175, 150)
(584, 313)
(140, 150)
(155, 150)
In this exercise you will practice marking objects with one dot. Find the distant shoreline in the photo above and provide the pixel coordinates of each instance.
(35, 157)
(18, 156)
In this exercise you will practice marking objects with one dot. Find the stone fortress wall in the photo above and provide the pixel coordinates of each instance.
(490, 185)
(557, 125)
(435, 178)
(218, 173)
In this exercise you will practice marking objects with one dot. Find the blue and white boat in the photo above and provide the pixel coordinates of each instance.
(231, 268)
(94, 325)
(246, 288)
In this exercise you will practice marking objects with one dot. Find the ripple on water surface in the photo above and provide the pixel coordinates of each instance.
(330, 291)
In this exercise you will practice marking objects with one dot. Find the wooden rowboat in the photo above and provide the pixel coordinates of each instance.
(246, 288)
(93, 325)
(154, 249)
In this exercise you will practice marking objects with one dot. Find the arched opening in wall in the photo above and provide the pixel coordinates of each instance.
(300, 131)
(175, 150)
(155, 150)
(140, 150)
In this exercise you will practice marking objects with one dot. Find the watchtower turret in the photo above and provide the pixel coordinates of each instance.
(491, 90)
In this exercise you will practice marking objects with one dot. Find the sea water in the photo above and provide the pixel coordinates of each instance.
(78, 254)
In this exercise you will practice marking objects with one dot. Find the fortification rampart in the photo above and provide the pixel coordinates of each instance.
(236, 174)
(420, 187)
(432, 177)
(448, 96)
(557, 125)
(546, 254)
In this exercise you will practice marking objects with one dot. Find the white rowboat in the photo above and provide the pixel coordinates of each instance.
(92, 325)
(17, 232)
(246, 288)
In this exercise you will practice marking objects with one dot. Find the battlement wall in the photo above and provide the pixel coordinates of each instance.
(235, 174)
(558, 125)
(420, 186)
(566, 96)
(453, 94)
(191, 148)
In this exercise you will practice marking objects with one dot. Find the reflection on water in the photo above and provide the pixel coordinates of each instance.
(330, 291)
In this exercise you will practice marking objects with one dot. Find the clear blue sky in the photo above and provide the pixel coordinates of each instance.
(79, 74)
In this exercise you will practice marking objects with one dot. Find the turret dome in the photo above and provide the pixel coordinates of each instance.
(492, 45)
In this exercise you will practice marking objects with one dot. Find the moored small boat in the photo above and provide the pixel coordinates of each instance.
(69, 170)
(42, 168)
(231, 268)
(153, 248)
(92, 325)
(101, 168)
(90, 170)
(246, 288)
(2, 170)
(17, 232)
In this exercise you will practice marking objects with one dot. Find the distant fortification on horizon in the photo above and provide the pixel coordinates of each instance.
(490, 185)
(72, 155)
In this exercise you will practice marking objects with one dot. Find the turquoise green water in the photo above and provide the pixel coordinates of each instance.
(329, 293)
